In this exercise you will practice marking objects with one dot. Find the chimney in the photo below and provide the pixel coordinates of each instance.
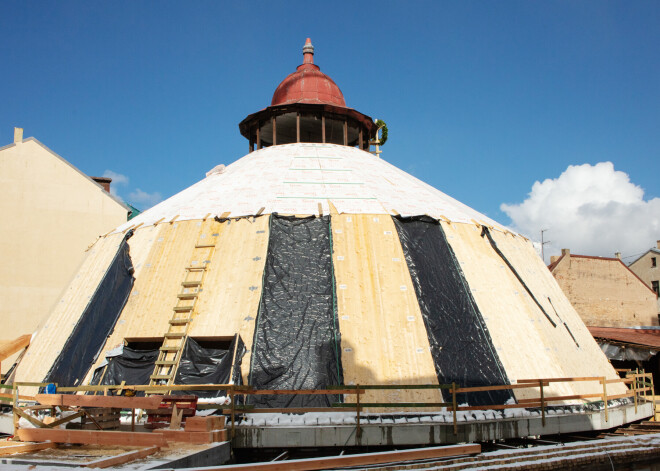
(18, 135)
(657, 242)
(617, 255)
(104, 182)
(566, 252)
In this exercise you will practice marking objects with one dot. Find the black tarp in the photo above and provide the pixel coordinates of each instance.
(96, 322)
(296, 340)
(132, 365)
(204, 365)
(615, 351)
(461, 346)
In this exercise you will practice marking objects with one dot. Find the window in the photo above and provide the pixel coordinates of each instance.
(655, 287)
(653, 262)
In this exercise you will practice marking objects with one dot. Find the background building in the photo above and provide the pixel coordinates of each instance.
(647, 267)
(604, 291)
(52, 212)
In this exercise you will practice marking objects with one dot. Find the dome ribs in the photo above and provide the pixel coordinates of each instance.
(295, 341)
(461, 345)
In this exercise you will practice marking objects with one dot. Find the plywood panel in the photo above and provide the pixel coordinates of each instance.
(232, 289)
(585, 360)
(383, 337)
(160, 255)
(51, 337)
(527, 343)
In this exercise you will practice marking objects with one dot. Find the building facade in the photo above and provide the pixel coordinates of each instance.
(604, 291)
(647, 267)
(52, 213)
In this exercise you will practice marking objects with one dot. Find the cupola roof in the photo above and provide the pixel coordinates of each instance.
(308, 84)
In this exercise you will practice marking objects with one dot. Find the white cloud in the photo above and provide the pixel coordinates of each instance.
(117, 180)
(591, 210)
(144, 199)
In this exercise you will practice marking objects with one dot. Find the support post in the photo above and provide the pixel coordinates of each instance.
(323, 129)
(15, 408)
(132, 420)
(542, 403)
(345, 132)
(233, 410)
(453, 406)
(357, 408)
(298, 126)
(360, 144)
(258, 136)
(634, 384)
(274, 121)
(604, 381)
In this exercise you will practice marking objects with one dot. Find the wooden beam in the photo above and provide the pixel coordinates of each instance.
(258, 137)
(14, 346)
(36, 422)
(25, 448)
(117, 402)
(357, 460)
(91, 437)
(345, 132)
(123, 458)
(274, 121)
(298, 126)
(323, 129)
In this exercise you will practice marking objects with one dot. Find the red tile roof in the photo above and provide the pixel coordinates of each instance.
(647, 337)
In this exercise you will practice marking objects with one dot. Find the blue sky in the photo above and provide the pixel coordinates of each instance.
(482, 99)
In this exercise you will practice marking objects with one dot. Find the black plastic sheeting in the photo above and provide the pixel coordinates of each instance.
(200, 365)
(96, 322)
(133, 366)
(461, 346)
(486, 232)
(626, 352)
(296, 340)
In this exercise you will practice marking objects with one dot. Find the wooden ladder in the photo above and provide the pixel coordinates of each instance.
(184, 310)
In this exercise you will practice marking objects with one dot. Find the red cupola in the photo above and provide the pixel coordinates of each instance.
(308, 106)
(308, 84)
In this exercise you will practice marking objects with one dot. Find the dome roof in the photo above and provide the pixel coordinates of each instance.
(308, 84)
(300, 178)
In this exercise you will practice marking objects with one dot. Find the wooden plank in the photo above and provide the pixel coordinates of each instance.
(500, 406)
(91, 437)
(29, 418)
(296, 392)
(123, 458)
(236, 294)
(191, 437)
(205, 424)
(25, 448)
(15, 345)
(363, 459)
(118, 402)
(561, 380)
(378, 281)
(499, 387)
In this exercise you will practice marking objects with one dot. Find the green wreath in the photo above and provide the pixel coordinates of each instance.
(381, 125)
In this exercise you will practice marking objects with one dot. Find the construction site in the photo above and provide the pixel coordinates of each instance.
(311, 306)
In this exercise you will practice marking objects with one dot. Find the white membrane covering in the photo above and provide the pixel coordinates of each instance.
(296, 178)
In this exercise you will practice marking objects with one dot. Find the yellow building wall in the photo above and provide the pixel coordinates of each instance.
(51, 213)
(644, 268)
(605, 293)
